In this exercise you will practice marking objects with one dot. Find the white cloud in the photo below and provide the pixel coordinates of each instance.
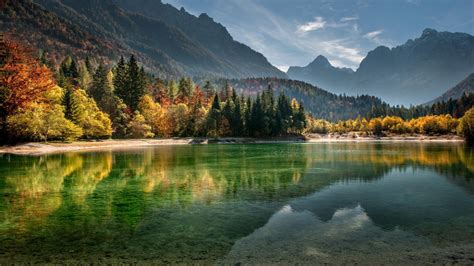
(343, 52)
(345, 19)
(317, 24)
(373, 34)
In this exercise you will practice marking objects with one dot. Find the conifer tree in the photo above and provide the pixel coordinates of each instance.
(172, 89)
(208, 89)
(120, 80)
(100, 90)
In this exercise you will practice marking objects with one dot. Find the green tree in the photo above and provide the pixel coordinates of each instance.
(172, 89)
(208, 89)
(135, 82)
(214, 117)
(120, 80)
(101, 91)
(185, 89)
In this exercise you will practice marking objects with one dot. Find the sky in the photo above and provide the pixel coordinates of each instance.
(295, 32)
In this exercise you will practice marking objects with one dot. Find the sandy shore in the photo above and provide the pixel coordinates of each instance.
(60, 147)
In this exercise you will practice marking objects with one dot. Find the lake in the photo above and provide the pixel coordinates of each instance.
(229, 204)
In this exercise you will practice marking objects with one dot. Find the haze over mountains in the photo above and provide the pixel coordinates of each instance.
(466, 86)
(413, 73)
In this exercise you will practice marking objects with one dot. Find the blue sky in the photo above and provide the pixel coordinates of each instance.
(294, 32)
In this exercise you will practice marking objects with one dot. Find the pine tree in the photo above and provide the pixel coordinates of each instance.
(214, 117)
(135, 83)
(185, 89)
(257, 118)
(237, 122)
(247, 117)
(100, 90)
(120, 80)
(208, 89)
(172, 89)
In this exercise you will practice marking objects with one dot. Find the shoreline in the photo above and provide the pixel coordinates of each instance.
(39, 148)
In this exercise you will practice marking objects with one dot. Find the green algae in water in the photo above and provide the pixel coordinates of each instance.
(226, 204)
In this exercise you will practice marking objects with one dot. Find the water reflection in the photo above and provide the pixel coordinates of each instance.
(194, 203)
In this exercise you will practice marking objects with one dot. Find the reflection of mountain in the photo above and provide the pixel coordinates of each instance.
(178, 203)
(301, 237)
(400, 216)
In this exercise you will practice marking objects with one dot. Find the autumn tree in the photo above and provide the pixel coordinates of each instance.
(467, 126)
(86, 114)
(25, 86)
(138, 128)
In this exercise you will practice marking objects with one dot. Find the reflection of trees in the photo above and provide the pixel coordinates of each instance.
(34, 185)
(366, 161)
(195, 192)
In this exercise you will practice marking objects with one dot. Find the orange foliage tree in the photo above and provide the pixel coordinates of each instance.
(23, 81)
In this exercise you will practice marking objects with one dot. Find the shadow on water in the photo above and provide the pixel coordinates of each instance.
(213, 202)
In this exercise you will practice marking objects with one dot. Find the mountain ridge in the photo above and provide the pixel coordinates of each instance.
(466, 86)
(412, 73)
(166, 49)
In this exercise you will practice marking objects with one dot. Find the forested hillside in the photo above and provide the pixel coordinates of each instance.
(103, 28)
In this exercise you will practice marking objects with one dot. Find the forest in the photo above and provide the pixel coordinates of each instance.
(85, 99)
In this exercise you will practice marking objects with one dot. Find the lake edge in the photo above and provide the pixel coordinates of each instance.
(37, 148)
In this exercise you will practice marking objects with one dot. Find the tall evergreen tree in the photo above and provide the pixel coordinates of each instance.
(120, 80)
(100, 90)
(208, 89)
(214, 117)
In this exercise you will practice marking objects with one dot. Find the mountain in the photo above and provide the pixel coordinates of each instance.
(207, 33)
(163, 45)
(466, 86)
(321, 73)
(412, 73)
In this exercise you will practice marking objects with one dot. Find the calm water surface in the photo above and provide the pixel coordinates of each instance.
(227, 204)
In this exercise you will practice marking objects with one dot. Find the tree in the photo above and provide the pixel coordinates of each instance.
(43, 121)
(214, 117)
(120, 80)
(23, 81)
(208, 89)
(138, 128)
(69, 69)
(152, 112)
(467, 126)
(237, 124)
(185, 89)
(172, 90)
(101, 90)
(257, 122)
(129, 82)
(86, 114)
(376, 126)
(299, 119)
(135, 83)
(121, 117)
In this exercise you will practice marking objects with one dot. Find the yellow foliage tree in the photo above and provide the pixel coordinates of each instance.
(86, 114)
